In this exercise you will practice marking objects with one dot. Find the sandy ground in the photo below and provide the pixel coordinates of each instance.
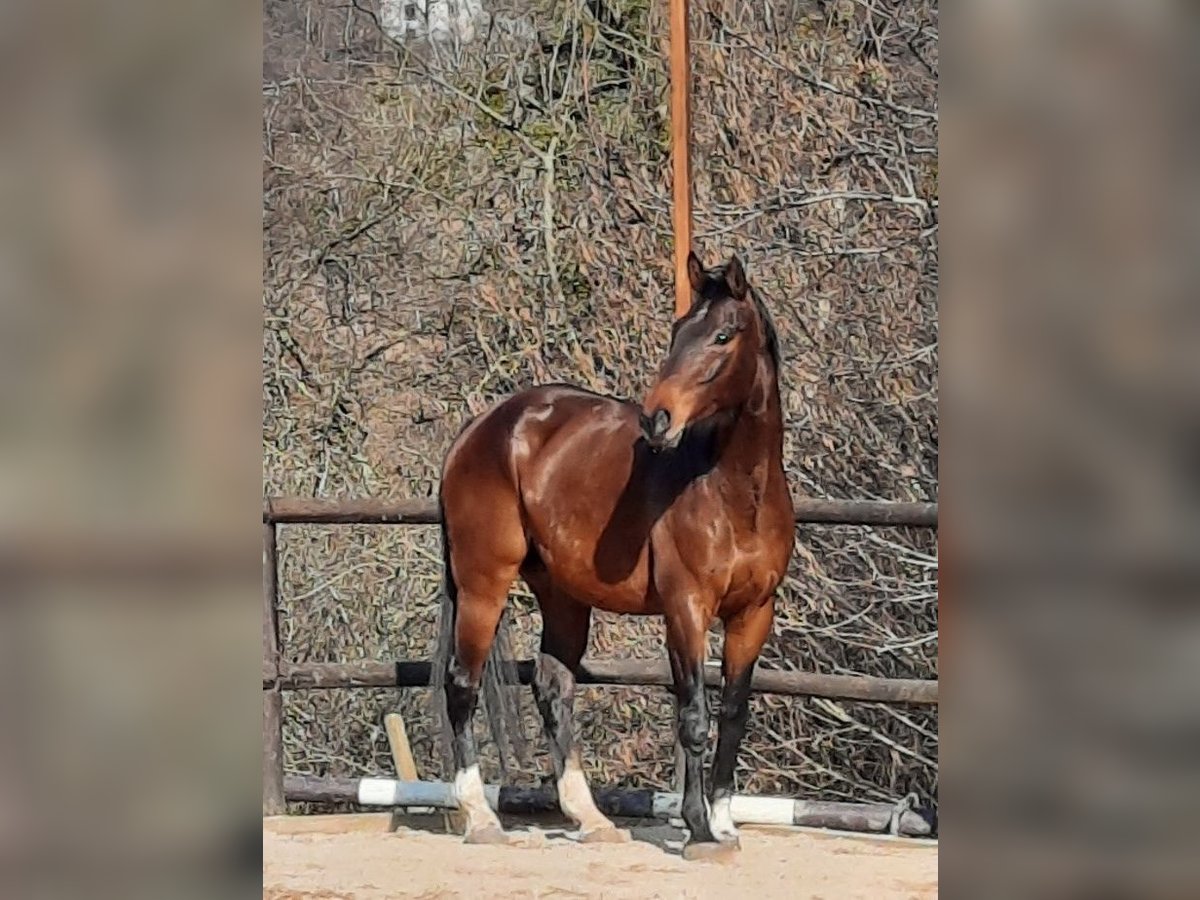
(371, 856)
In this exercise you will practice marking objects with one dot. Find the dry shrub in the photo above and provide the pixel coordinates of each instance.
(445, 225)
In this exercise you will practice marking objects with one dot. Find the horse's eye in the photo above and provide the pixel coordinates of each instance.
(721, 338)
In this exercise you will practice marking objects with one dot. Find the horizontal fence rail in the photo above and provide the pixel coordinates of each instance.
(368, 674)
(306, 511)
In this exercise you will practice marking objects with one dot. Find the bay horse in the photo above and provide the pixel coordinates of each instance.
(678, 508)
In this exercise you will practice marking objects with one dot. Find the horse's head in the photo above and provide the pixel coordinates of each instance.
(714, 354)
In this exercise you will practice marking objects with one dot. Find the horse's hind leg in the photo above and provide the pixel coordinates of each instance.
(565, 625)
(484, 569)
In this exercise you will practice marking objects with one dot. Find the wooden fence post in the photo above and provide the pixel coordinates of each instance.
(681, 151)
(273, 802)
(273, 797)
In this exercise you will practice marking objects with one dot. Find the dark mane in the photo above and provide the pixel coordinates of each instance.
(772, 336)
(715, 288)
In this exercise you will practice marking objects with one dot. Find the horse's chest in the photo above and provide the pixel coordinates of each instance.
(753, 572)
(740, 562)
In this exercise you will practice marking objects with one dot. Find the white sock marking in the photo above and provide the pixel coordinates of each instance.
(575, 797)
(468, 789)
(720, 820)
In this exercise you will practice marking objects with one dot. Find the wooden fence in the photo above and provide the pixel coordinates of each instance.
(279, 675)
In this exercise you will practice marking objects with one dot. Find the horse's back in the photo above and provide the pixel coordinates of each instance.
(519, 426)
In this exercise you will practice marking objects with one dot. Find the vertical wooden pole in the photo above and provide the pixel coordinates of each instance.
(402, 756)
(270, 616)
(681, 151)
(273, 797)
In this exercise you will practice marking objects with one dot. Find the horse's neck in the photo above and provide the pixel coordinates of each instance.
(754, 444)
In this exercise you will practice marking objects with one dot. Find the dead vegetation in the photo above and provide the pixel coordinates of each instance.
(444, 225)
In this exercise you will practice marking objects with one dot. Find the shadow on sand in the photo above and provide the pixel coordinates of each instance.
(539, 831)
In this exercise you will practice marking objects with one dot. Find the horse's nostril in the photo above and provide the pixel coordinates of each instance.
(655, 425)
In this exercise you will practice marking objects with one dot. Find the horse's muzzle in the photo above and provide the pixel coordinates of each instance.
(655, 428)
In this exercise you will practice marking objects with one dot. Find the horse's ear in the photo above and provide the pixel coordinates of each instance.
(695, 272)
(735, 277)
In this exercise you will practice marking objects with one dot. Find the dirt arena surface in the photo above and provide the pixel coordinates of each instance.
(361, 856)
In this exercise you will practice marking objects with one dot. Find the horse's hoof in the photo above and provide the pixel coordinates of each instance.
(607, 834)
(711, 851)
(488, 834)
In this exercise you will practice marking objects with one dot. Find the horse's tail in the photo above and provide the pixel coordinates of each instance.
(498, 692)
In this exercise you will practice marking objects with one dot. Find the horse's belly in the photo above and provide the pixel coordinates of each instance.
(583, 510)
(580, 567)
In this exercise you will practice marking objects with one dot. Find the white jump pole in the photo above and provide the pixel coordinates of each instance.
(746, 810)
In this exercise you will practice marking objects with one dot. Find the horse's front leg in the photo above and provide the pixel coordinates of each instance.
(745, 633)
(687, 648)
